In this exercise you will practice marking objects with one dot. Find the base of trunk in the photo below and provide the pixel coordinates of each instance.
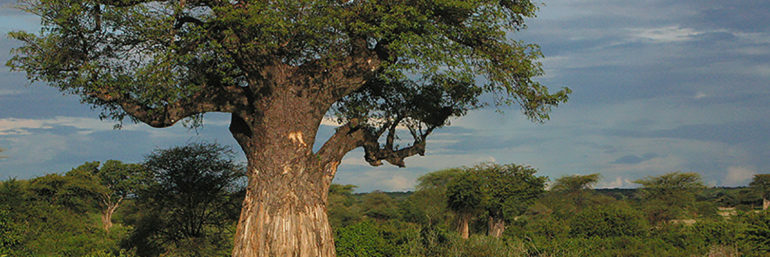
(496, 227)
(464, 227)
(284, 218)
(106, 222)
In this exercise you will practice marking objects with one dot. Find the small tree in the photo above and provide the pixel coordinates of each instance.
(671, 195)
(576, 187)
(189, 188)
(113, 182)
(428, 204)
(761, 185)
(509, 190)
(73, 192)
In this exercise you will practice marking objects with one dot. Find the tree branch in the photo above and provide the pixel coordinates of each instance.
(209, 99)
(345, 139)
(352, 135)
(374, 153)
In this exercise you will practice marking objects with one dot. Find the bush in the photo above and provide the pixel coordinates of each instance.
(609, 221)
(361, 239)
(10, 233)
(756, 238)
(605, 247)
(714, 232)
(487, 246)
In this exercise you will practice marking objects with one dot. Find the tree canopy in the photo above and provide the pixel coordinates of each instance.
(380, 64)
(575, 183)
(671, 195)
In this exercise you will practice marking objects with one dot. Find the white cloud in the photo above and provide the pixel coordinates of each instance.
(666, 34)
(385, 178)
(15, 126)
(400, 183)
(618, 182)
(737, 175)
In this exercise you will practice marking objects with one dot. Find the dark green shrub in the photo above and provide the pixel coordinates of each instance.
(10, 234)
(487, 246)
(756, 238)
(608, 221)
(362, 239)
(714, 232)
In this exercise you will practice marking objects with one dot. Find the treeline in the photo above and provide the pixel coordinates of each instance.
(185, 201)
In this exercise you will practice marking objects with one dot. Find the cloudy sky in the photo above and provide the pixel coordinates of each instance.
(659, 86)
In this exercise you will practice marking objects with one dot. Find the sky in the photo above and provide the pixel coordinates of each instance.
(658, 86)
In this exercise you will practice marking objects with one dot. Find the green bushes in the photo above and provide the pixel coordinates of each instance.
(47, 217)
(608, 221)
(756, 238)
(360, 240)
(10, 233)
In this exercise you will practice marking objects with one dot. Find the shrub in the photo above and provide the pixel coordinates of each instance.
(608, 221)
(362, 239)
(756, 238)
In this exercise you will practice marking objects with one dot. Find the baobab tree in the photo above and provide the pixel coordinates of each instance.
(279, 68)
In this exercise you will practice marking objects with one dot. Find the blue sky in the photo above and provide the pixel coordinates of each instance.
(659, 86)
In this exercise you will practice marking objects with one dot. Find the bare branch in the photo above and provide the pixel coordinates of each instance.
(374, 153)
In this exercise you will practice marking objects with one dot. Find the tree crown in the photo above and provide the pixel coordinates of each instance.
(408, 61)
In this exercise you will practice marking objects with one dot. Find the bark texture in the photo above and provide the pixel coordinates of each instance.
(285, 216)
(284, 212)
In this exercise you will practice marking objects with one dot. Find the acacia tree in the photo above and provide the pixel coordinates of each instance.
(279, 68)
(189, 187)
(509, 190)
(671, 195)
(113, 182)
(575, 187)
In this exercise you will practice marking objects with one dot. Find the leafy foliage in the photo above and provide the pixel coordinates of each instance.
(464, 193)
(189, 189)
(671, 195)
(509, 189)
(609, 221)
(35, 220)
(360, 239)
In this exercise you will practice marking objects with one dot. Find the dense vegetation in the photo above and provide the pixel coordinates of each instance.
(184, 201)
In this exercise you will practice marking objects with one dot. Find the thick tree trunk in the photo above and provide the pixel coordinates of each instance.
(496, 227)
(284, 211)
(284, 216)
(765, 203)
